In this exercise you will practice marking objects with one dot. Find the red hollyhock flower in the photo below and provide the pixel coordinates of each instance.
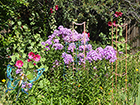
(51, 10)
(37, 57)
(117, 14)
(120, 14)
(109, 23)
(31, 55)
(114, 23)
(56, 7)
(19, 63)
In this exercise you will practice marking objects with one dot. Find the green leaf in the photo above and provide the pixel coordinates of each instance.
(13, 58)
(30, 76)
(19, 23)
(31, 65)
(24, 55)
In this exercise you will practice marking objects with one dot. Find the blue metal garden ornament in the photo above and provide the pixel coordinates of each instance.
(14, 82)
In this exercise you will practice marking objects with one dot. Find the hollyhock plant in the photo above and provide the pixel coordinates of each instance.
(19, 63)
(24, 74)
(37, 57)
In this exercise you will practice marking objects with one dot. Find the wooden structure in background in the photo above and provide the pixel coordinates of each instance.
(133, 36)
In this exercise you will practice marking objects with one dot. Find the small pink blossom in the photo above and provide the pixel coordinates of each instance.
(26, 90)
(56, 7)
(34, 63)
(31, 55)
(37, 57)
(19, 63)
(29, 60)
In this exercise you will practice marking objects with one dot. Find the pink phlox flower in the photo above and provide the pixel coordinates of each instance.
(31, 55)
(23, 85)
(26, 90)
(19, 63)
(18, 71)
(37, 57)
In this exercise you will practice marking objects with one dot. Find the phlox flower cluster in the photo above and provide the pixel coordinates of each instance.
(66, 34)
(107, 53)
(71, 37)
(67, 58)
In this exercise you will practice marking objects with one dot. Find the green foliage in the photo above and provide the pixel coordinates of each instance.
(89, 86)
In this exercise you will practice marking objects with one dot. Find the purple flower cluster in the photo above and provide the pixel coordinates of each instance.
(87, 47)
(18, 71)
(67, 58)
(26, 86)
(71, 47)
(108, 53)
(68, 36)
(81, 58)
(93, 55)
(57, 46)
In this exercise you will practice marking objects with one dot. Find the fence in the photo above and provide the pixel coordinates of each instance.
(133, 36)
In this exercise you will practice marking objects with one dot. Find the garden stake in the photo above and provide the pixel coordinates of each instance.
(116, 60)
(84, 45)
(125, 74)
(126, 63)
(112, 66)
(82, 38)
(73, 47)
